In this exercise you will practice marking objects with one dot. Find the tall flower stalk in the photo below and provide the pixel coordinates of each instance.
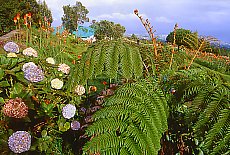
(149, 29)
(174, 43)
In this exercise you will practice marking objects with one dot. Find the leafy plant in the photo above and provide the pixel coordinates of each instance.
(209, 112)
(132, 121)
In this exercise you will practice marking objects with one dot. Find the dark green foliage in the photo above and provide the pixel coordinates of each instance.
(132, 122)
(10, 8)
(74, 15)
(107, 29)
(180, 34)
(210, 111)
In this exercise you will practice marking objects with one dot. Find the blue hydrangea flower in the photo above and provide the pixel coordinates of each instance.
(19, 141)
(33, 73)
(11, 47)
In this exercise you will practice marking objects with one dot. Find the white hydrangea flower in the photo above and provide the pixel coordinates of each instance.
(50, 60)
(30, 52)
(56, 83)
(27, 65)
(68, 111)
(11, 55)
(80, 90)
(64, 68)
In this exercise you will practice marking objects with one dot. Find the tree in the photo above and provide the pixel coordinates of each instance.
(108, 29)
(44, 12)
(74, 15)
(10, 8)
(180, 34)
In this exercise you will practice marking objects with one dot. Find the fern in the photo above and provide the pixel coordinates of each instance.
(211, 109)
(110, 59)
(132, 122)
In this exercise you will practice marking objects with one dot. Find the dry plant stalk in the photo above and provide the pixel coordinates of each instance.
(174, 43)
(149, 29)
(199, 45)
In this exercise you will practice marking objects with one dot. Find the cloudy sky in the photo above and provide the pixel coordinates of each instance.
(208, 17)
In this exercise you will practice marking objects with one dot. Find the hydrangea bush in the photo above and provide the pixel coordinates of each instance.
(37, 108)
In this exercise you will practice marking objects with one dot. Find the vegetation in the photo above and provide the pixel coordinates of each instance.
(68, 96)
(74, 15)
(180, 34)
(15, 8)
(107, 29)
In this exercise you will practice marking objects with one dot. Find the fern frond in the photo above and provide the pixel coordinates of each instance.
(133, 114)
(219, 130)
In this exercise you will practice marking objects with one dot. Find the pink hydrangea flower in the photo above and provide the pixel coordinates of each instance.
(64, 68)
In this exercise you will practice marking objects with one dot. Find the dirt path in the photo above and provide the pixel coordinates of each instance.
(9, 35)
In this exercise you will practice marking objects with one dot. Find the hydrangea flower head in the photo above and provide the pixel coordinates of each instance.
(19, 142)
(11, 47)
(79, 90)
(50, 60)
(56, 83)
(68, 111)
(64, 68)
(11, 55)
(30, 52)
(75, 125)
(28, 65)
(15, 108)
(33, 74)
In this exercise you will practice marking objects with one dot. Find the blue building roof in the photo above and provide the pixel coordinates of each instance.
(83, 31)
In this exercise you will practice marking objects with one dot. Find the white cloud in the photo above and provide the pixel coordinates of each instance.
(163, 20)
(119, 16)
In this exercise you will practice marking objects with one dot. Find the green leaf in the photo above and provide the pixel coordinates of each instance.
(2, 100)
(18, 88)
(66, 126)
(44, 133)
(4, 84)
(1, 74)
(13, 63)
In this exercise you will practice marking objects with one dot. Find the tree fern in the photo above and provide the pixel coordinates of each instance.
(133, 120)
(110, 59)
(210, 106)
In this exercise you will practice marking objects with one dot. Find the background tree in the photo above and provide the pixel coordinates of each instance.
(108, 29)
(44, 12)
(180, 34)
(74, 15)
(10, 8)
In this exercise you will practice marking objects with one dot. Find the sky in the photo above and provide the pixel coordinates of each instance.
(207, 17)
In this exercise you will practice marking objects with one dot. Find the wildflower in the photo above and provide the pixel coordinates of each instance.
(11, 55)
(75, 125)
(104, 82)
(19, 142)
(15, 20)
(29, 15)
(18, 16)
(30, 52)
(68, 111)
(64, 68)
(11, 47)
(79, 90)
(79, 56)
(32, 72)
(56, 83)
(50, 60)
(15, 108)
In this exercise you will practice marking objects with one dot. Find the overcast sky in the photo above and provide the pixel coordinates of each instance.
(208, 17)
